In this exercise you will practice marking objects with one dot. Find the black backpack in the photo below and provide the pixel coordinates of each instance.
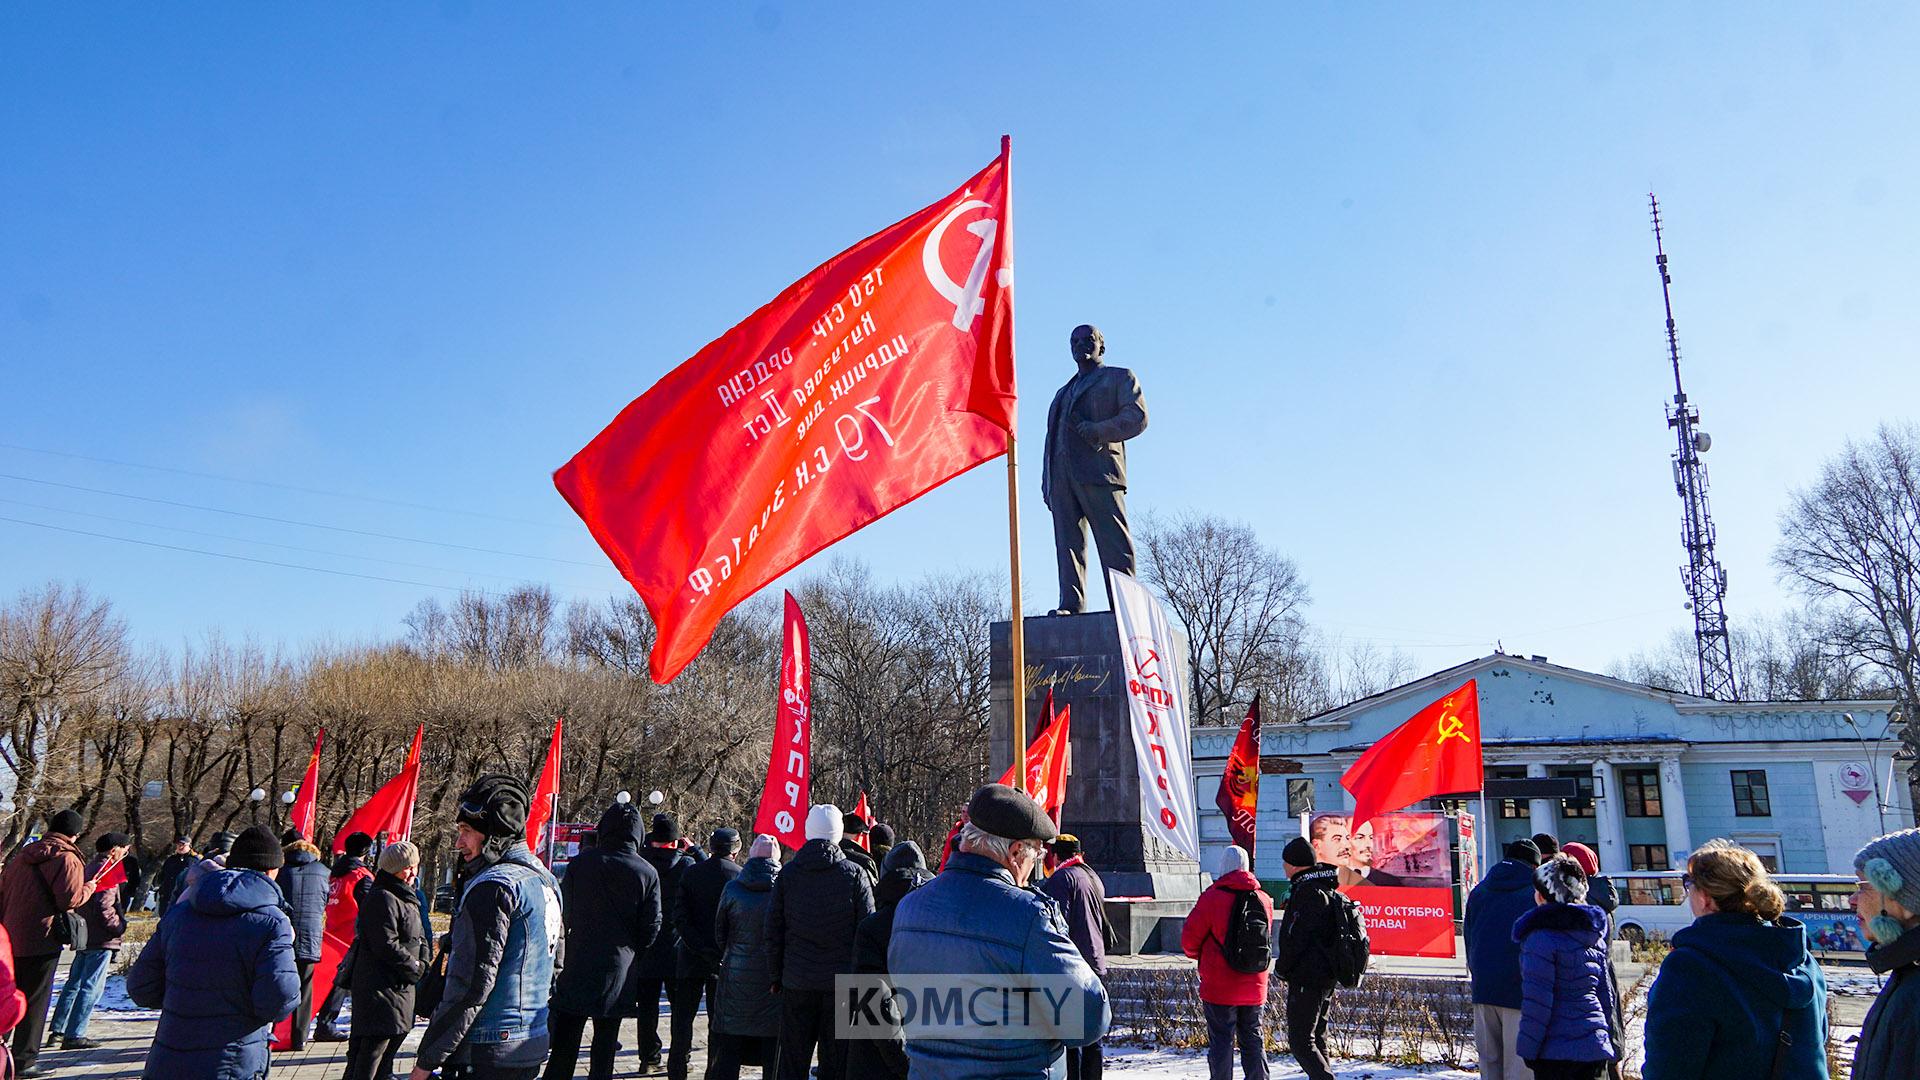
(1249, 944)
(1349, 951)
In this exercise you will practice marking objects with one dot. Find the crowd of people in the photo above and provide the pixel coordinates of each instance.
(530, 961)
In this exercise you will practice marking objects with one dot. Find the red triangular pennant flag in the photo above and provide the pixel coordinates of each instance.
(545, 794)
(307, 799)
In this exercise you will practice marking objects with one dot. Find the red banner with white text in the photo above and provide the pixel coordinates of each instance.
(884, 373)
(784, 800)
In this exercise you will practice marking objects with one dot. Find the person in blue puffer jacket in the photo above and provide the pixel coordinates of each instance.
(220, 969)
(1566, 997)
(1740, 997)
(977, 919)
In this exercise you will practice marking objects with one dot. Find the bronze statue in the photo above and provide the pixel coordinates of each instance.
(1083, 477)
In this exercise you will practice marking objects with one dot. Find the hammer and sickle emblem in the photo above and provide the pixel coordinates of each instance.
(1452, 727)
(967, 300)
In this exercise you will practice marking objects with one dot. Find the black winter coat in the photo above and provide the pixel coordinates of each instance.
(693, 911)
(818, 902)
(662, 958)
(390, 955)
(744, 1003)
(167, 881)
(611, 900)
(860, 857)
(1311, 924)
(303, 881)
(904, 871)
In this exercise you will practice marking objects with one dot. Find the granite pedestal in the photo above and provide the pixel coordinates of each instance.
(1078, 656)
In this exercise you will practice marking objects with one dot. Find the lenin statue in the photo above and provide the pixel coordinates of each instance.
(1084, 475)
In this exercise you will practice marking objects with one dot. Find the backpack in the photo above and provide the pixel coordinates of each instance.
(1248, 947)
(1349, 950)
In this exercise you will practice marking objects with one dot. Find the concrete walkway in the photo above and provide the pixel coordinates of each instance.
(125, 1042)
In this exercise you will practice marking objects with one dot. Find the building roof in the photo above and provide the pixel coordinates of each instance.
(1681, 702)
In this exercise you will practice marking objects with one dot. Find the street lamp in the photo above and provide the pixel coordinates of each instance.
(256, 797)
(287, 797)
(1873, 764)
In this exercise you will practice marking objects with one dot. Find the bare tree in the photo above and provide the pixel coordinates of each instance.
(1851, 543)
(60, 648)
(1242, 603)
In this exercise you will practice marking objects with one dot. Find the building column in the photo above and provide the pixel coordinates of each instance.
(1606, 819)
(1673, 805)
(1542, 814)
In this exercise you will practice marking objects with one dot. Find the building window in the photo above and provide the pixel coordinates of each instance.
(1640, 790)
(1581, 806)
(1299, 797)
(1511, 809)
(1648, 856)
(1750, 793)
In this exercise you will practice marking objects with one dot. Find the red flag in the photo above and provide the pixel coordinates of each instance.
(115, 875)
(1046, 772)
(861, 811)
(881, 375)
(1437, 752)
(1047, 763)
(784, 800)
(545, 794)
(390, 810)
(307, 799)
(1239, 796)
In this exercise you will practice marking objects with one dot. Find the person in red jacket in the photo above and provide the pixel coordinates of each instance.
(13, 1003)
(1232, 999)
(351, 883)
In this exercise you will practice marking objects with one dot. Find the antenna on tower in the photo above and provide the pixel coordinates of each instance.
(1704, 577)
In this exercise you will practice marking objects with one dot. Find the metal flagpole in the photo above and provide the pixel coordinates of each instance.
(1019, 636)
(1481, 827)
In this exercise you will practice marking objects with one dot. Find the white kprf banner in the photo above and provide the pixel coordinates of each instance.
(1157, 702)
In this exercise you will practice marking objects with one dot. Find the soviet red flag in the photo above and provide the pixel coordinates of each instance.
(784, 799)
(1239, 797)
(546, 793)
(307, 800)
(881, 375)
(1046, 777)
(1437, 752)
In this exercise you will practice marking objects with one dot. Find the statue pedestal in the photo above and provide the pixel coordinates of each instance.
(1079, 657)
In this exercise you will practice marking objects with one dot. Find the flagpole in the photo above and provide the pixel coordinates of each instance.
(1019, 636)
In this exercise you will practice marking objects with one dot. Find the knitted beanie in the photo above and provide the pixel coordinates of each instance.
(881, 834)
(67, 823)
(256, 849)
(1231, 860)
(1891, 865)
(1583, 855)
(1523, 851)
(823, 823)
(765, 847)
(1298, 852)
(1561, 880)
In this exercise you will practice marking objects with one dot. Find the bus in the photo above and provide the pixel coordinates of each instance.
(1652, 903)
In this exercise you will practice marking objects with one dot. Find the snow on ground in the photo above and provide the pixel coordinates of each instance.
(1192, 1065)
(1856, 982)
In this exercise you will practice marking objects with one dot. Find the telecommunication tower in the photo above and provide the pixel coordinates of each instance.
(1704, 577)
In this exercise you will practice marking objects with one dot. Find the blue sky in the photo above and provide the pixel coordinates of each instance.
(1385, 274)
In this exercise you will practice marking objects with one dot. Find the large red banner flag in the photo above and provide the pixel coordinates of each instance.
(390, 810)
(783, 802)
(881, 375)
(545, 793)
(307, 800)
(1436, 752)
(1239, 796)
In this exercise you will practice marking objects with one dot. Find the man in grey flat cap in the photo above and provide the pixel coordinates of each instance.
(1083, 473)
(976, 920)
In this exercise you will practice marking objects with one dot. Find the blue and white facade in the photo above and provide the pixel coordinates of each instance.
(1798, 782)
